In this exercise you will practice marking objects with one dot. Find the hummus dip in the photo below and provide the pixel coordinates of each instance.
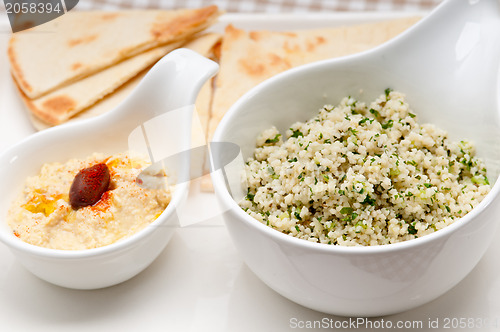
(42, 215)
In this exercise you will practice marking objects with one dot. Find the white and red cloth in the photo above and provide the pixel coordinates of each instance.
(266, 6)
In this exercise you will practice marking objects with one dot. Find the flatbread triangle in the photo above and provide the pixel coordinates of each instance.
(250, 57)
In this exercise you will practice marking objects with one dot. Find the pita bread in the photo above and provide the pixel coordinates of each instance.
(202, 44)
(81, 43)
(250, 57)
(58, 106)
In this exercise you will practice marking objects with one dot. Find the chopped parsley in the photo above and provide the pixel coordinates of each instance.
(250, 196)
(387, 92)
(480, 179)
(296, 133)
(379, 161)
(388, 124)
(349, 213)
(270, 169)
(301, 176)
(368, 200)
(346, 210)
(274, 140)
(411, 228)
(374, 112)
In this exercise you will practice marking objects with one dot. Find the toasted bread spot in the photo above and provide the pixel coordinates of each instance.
(167, 30)
(76, 66)
(264, 66)
(289, 34)
(41, 114)
(109, 16)
(233, 32)
(217, 51)
(83, 40)
(291, 47)
(320, 40)
(254, 35)
(311, 45)
(59, 104)
(252, 68)
(16, 69)
(279, 62)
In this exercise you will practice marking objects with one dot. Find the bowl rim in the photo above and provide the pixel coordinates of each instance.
(221, 191)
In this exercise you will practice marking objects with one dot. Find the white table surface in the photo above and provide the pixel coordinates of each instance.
(200, 283)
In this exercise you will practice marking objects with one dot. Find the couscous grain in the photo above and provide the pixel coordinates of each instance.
(360, 174)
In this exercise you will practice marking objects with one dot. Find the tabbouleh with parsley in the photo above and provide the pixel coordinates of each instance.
(359, 174)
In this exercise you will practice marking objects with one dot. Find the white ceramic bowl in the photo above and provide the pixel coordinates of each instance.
(173, 83)
(456, 93)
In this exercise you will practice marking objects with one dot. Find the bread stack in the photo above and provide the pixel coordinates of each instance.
(84, 63)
